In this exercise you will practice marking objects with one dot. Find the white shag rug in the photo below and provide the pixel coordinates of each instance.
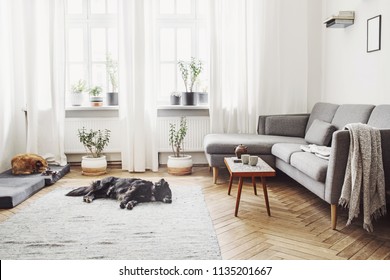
(56, 226)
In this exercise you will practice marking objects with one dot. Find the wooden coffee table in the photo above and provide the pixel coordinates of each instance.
(240, 170)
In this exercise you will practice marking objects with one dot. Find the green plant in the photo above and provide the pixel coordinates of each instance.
(79, 87)
(176, 136)
(190, 70)
(95, 91)
(112, 70)
(94, 141)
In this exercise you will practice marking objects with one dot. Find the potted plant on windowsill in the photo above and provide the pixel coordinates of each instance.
(175, 98)
(94, 142)
(77, 93)
(112, 71)
(190, 71)
(178, 163)
(95, 96)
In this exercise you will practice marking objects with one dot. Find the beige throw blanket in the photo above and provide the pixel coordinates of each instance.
(364, 181)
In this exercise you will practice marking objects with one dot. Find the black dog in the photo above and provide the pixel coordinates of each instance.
(129, 191)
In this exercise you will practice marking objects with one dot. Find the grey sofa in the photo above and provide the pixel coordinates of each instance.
(280, 137)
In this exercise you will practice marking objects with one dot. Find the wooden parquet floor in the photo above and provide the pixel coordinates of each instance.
(299, 226)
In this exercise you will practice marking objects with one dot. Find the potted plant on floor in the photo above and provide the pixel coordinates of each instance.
(112, 71)
(95, 96)
(77, 93)
(94, 142)
(190, 72)
(178, 163)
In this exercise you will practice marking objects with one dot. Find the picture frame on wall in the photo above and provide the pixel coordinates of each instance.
(374, 26)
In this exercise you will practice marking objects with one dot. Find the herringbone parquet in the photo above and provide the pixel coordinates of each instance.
(299, 226)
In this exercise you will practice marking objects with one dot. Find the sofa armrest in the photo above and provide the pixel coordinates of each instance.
(338, 163)
(385, 139)
(293, 125)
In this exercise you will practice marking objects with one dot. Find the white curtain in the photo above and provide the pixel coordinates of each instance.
(35, 61)
(136, 85)
(255, 67)
(9, 117)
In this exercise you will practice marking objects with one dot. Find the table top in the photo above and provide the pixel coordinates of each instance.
(262, 169)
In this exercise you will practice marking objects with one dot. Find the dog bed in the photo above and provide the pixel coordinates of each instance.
(14, 189)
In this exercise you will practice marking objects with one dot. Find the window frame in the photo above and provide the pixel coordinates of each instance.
(195, 21)
(86, 21)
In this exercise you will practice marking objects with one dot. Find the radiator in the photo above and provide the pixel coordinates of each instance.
(198, 127)
(72, 143)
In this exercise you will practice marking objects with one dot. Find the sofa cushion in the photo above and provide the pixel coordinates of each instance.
(16, 188)
(322, 111)
(311, 165)
(285, 150)
(352, 113)
(14, 191)
(380, 116)
(320, 133)
(286, 125)
(257, 144)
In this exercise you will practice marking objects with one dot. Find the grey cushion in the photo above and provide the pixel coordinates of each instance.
(262, 119)
(286, 125)
(352, 113)
(320, 133)
(285, 150)
(257, 144)
(14, 191)
(16, 188)
(322, 111)
(380, 116)
(311, 165)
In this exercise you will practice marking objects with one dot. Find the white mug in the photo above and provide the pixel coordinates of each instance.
(245, 158)
(253, 160)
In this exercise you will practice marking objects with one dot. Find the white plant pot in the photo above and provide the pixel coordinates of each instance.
(179, 165)
(93, 166)
(77, 99)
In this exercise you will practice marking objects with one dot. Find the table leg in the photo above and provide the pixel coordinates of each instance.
(238, 196)
(230, 184)
(263, 182)
(254, 185)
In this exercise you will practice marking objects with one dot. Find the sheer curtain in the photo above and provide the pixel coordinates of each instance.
(35, 74)
(45, 77)
(252, 71)
(136, 85)
(8, 111)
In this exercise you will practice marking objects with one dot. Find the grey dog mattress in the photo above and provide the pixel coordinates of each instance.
(14, 189)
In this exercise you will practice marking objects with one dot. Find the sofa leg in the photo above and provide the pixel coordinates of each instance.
(333, 215)
(215, 174)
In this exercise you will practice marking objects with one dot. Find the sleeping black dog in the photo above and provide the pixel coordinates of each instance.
(129, 191)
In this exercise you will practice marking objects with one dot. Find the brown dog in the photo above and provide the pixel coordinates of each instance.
(28, 164)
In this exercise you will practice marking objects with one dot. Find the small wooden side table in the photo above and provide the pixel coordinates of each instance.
(240, 170)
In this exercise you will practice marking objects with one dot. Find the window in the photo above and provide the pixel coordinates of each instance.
(182, 34)
(91, 38)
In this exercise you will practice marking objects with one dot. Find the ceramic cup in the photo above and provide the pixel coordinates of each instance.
(253, 160)
(245, 158)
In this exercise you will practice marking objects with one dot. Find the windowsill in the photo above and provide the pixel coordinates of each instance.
(183, 107)
(90, 108)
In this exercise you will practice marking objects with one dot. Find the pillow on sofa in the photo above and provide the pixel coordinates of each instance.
(320, 133)
(293, 126)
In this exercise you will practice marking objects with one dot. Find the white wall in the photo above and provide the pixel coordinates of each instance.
(314, 54)
(350, 74)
